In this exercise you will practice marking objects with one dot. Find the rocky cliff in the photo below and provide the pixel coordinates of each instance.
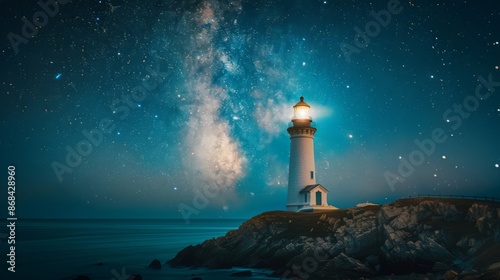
(436, 237)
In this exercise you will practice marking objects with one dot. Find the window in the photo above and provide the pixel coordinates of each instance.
(312, 175)
(305, 197)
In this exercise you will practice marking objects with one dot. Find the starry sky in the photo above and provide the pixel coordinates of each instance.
(185, 104)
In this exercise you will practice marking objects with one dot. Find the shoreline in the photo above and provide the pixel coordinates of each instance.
(412, 236)
(167, 272)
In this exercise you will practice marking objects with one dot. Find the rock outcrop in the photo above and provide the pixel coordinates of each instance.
(155, 264)
(440, 236)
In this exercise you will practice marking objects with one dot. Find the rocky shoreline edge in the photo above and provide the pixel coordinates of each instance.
(425, 238)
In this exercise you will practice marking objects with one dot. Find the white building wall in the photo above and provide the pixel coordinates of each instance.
(301, 165)
(313, 198)
(312, 194)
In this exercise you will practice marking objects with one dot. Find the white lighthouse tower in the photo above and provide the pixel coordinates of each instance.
(304, 194)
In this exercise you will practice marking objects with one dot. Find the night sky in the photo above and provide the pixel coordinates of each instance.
(181, 98)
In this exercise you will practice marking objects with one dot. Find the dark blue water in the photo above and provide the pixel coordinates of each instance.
(110, 249)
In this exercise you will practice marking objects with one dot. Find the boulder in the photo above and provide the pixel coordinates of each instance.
(450, 275)
(491, 273)
(343, 266)
(494, 266)
(155, 264)
(477, 211)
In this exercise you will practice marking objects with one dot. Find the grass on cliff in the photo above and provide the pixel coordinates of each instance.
(462, 205)
(311, 224)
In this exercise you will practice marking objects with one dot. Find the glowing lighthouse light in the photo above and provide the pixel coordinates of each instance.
(301, 110)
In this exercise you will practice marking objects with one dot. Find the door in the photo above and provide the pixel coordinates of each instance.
(318, 198)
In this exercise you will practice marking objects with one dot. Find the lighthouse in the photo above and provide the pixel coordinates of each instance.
(304, 194)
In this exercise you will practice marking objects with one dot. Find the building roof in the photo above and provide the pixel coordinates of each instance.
(310, 187)
(301, 103)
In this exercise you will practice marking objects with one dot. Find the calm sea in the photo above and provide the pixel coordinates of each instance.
(110, 249)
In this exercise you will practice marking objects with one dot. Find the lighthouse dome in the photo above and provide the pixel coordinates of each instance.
(302, 103)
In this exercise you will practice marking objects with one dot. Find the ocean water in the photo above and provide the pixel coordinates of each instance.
(111, 249)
